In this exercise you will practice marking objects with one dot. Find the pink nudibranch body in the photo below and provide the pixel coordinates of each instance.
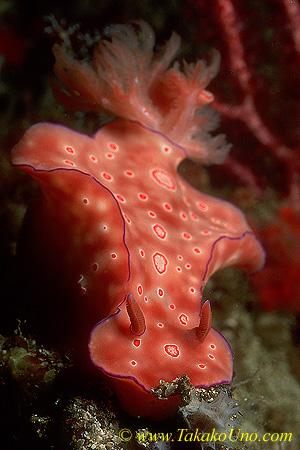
(134, 236)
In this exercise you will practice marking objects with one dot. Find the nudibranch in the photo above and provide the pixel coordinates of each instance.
(118, 223)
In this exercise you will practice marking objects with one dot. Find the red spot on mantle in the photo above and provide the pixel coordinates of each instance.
(160, 262)
(142, 196)
(163, 179)
(140, 289)
(113, 146)
(159, 231)
(106, 176)
(167, 207)
(70, 163)
(201, 206)
(160, 292)
(183, 319)
(172, 350)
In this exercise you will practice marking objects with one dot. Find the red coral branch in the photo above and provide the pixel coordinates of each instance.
(247, 111)
(258, 95)
(293, 13)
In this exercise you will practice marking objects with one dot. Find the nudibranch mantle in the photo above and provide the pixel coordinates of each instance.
(137, 240)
